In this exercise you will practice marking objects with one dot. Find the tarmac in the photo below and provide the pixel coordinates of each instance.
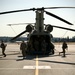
(14, 64)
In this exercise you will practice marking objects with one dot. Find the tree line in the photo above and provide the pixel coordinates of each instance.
(54, 39)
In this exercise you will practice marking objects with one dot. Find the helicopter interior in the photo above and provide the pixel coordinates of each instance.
(40, 44)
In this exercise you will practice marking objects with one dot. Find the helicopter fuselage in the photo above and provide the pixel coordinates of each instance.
(39, 40)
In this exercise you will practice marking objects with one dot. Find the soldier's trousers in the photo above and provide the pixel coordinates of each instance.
(23, 53)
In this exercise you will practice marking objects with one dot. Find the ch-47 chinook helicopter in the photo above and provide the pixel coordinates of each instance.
(39, 38)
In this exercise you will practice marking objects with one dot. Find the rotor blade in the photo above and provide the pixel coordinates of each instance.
(32, 9)
(53, 15)
(19, 24)
(18, 35)
(64, 28)
(16, 11)
(57, 7)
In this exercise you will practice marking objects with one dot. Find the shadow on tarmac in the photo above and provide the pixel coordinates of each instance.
(28, 57)
(58, 62)
(32, 57)
(20, 58)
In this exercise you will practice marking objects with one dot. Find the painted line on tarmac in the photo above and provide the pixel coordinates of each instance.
(33, 67)
(37, 67)
(37, 63)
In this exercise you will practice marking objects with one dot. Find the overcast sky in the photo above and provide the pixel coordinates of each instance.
(29, 16)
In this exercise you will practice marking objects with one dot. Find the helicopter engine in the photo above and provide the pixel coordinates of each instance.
(49, 28)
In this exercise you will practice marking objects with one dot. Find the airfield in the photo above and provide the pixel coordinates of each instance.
(13, 63)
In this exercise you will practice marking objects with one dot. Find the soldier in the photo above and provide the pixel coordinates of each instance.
(23, 48)
(3, 46)
(64, 46)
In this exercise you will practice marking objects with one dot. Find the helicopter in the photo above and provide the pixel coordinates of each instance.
(39, 37)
